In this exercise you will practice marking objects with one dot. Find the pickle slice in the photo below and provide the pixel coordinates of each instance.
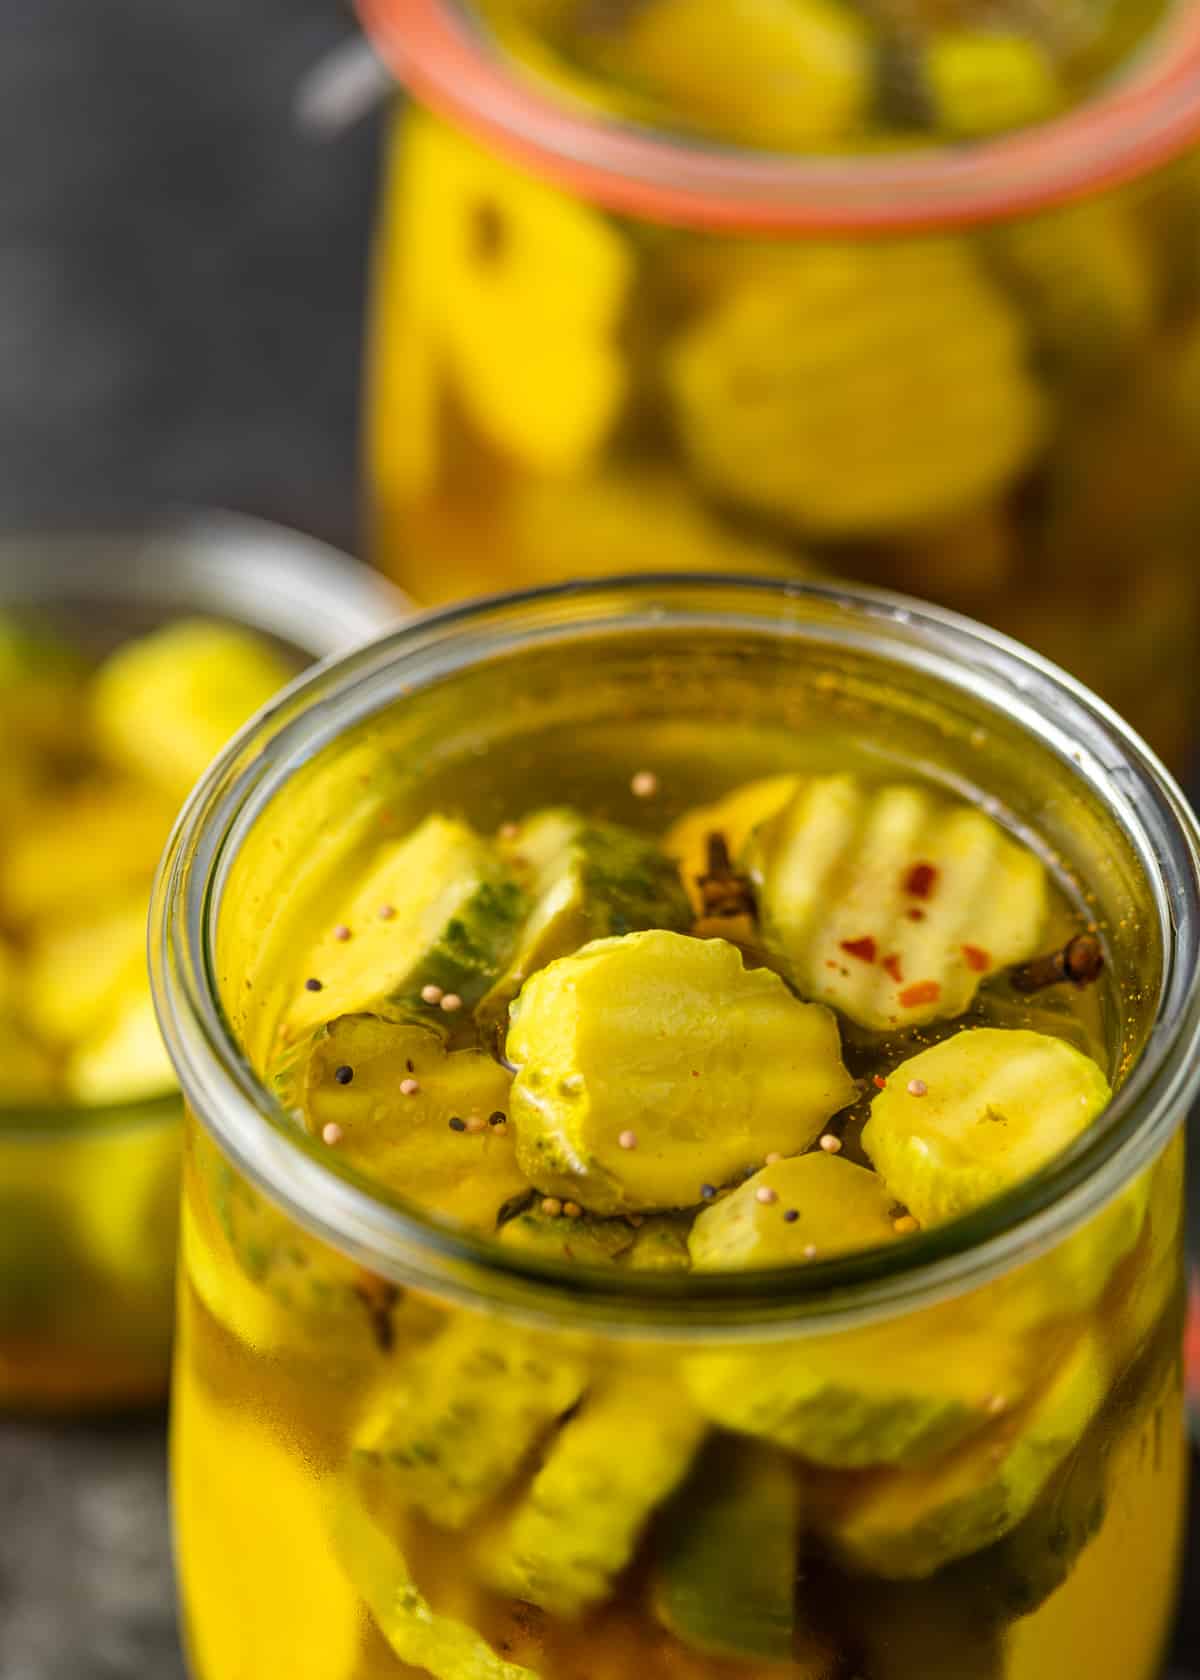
(658, 1243)
(891, 903)
(734, 818)
(438, 909)
(521, 289)
(780, 74)
(981, 82)
(726, 1565)
(856, 391)
(453, 1433)
(611, 1466)
(82, 847)
(906, 1524)
(164, 705)
(979, 1112)
(396, 1114)
(79, 968)
(584, 880)
(126, 1060)
(437, 1645)
(792, 1211)
(900, 1393)
(654, 1064)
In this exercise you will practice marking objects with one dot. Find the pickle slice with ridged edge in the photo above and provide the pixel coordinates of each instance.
(657, 1243)
(893, 903)
(819, 1205)
(653, 1064)
(898, 1393)
(621, 1455)
(407, 1138)
(907, 1524)
(165, 704)
(437, 908)
(725, 1570)
(454, 1431)
(983, 1110)
(856, 391)
(438, 1645)
(584, 880)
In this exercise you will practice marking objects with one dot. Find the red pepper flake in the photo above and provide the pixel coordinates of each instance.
(893, 967)
(915, 915)
(879, 1082)
(924, 991)
(977, 958)
(862, 948)
(921, 880)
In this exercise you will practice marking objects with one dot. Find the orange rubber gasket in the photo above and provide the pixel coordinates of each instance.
(1138, 123)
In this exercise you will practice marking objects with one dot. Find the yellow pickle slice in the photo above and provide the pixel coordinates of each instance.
(893, 903)
(652, 1065)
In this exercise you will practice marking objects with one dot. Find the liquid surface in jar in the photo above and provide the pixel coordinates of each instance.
(815, 75)
(716, 1019)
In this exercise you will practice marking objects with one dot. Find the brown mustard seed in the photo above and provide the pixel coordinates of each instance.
(432, 994)
(551, 1207)
(450, 1002)
(644, 785)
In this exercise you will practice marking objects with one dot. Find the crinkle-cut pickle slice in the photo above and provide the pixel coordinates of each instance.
(604, 1475)
(724, 1578)
(734, 818)
(466, 1410)
(906, 1524)
(584, 880)
(978, 1113)
(521, 289)
(654, 1064)
(165, 704)
(981, 82)
(782, 74)
(892, 903)
(437, 1645)
(793, 1211)
(857, 391)
(396, 1115)
(899, 1393)
(437, 908)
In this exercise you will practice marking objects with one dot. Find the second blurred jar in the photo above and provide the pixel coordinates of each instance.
(903, 289)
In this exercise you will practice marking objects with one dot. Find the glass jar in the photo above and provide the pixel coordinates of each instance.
(88, 1194)
(332, 1336)
(965, 366)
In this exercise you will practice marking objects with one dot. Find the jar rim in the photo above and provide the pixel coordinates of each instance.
(1135, 123)
(396, 1241)
(247, 571)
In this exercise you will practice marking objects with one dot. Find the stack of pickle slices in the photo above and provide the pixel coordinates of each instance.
(817, 1017)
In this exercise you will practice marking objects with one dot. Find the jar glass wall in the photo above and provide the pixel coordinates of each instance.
(368, 1398)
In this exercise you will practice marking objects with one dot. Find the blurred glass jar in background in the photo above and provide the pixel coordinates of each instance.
(125, 663)
(905, 290)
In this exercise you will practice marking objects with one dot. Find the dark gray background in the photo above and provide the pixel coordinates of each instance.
(181, 282)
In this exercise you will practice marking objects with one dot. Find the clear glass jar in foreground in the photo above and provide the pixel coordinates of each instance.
(960, 363)
(333, 1340)
(88, 1194)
